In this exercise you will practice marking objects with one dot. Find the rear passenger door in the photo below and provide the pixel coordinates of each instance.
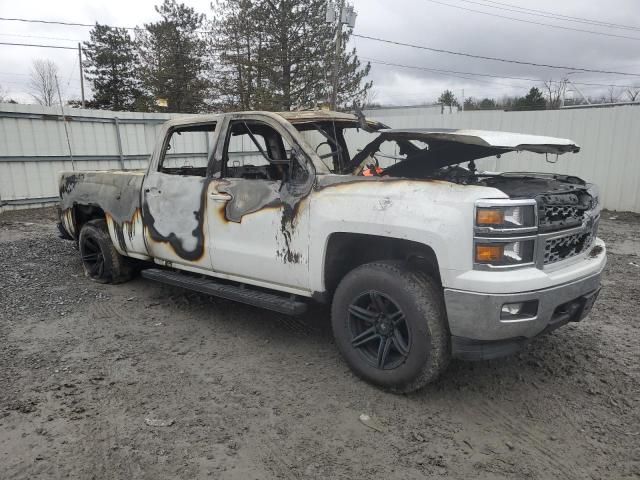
(261, 231)
(174, 197)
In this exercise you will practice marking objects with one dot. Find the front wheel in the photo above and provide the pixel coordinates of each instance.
(389, 323)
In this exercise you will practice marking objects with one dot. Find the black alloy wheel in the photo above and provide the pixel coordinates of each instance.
(92, 257)
(101, 261)
(379, 330)
(390, 325)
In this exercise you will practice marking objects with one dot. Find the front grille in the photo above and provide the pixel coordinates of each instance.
(556, 212)
(561, 248)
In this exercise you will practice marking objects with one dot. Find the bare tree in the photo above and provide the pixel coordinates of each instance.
(613, 94)
(633, 93)
(43, 82)
(555, 92)
(369, 99)
(4, 98)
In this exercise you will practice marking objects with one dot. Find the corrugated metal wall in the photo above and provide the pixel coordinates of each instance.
(33, 145)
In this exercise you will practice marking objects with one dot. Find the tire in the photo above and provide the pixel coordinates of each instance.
(100, 260)
(409, 345)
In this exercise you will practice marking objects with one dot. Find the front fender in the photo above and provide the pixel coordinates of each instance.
(434, 213)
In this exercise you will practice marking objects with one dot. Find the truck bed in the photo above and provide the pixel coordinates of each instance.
(115, 192)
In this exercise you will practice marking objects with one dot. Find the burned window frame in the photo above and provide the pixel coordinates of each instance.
(195, 127)
(291, 155)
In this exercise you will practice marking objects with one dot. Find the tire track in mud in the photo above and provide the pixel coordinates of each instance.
(103, 310)
(527, 436)
(296, 325)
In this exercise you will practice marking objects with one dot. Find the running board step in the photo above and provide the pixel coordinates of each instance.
(257, 298)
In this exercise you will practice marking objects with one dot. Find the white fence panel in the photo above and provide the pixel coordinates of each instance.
(33, 145)
(34, 148)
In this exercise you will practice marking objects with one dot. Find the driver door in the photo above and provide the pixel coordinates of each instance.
(262, 227)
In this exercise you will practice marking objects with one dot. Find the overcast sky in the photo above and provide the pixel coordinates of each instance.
(424, 22)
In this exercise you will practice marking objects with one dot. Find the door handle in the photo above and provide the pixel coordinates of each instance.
(152, 191)
(222, 197)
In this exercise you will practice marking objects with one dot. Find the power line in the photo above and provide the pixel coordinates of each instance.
(548, 14)
(532, 22)
(37, 45)
(53, 22)
(436, 70)
(38, 36)
(450, 73)
(76, 24)
(535, 80)
(495, 59)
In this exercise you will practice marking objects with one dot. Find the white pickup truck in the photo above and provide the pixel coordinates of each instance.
(422, 255)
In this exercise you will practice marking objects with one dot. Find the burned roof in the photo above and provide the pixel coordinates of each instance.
(317, 116)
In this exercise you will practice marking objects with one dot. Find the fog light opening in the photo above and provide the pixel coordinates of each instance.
(519, 310)
(512, 308)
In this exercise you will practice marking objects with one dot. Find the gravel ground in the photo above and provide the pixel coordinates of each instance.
(145, 381)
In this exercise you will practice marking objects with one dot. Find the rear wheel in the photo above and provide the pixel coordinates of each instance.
(101, 262)
(390, 325)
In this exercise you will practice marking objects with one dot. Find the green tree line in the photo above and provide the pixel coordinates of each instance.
(250, 54)
(533, 100)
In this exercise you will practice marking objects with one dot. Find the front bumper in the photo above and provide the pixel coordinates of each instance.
(478, 332)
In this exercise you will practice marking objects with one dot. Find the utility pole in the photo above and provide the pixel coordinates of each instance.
(64, 122)
(345, 15)
(81, 74)
(586, 100)
(463, 99)
(568, 81)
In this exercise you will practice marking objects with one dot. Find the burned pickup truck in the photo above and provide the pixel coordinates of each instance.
(421, 251)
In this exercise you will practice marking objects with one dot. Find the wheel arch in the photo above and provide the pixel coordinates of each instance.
(83, 213)
(345, 251)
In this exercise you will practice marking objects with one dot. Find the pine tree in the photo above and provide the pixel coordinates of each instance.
(448, 99)
(173, 55)
(111, 67)
(534, 100)
(278, 55)
(241, 78)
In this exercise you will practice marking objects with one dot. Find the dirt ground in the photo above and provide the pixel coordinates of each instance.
(145, 381)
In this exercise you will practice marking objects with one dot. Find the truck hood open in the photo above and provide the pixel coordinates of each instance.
(483, 142)
(454, 146)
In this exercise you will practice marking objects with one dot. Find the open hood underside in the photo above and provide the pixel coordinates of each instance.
(480, 143)
(454, 146)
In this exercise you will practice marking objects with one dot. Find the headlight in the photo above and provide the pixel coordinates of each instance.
(505, 233)
(503, 253)
(505, 217)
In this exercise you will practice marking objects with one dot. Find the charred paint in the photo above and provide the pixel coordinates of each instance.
(119, 229)
(115, 192)
(69, 182)
(248, 197)
(257, 197)
(175, 241)
(287, 228)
